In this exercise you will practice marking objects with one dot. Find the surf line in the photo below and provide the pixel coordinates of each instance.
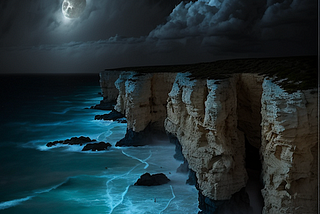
(173, 197)
(127, 173)
(142, 161)
(16, 202)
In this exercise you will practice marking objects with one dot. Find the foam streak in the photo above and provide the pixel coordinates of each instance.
(142, 161)
(173, 197)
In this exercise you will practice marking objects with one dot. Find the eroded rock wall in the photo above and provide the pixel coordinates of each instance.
(203, 116)
(289, 150)
(108, 88)
(142, 99)
(212, 118)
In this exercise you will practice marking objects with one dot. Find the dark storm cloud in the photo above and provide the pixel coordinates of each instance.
(243, 24)
(131, 33)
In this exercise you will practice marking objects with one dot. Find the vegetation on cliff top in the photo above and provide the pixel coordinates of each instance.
(291, 73)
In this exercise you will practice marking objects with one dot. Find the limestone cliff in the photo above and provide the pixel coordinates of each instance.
(108, 88)
(203, 116)
(142, 99)
(289, 150)
(224, 121)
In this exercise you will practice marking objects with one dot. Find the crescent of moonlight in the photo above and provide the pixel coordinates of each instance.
(73, 8)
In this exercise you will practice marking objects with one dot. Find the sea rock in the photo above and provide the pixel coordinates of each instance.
(113, 115)
(73, 141)
(96, 146)
(152, 180)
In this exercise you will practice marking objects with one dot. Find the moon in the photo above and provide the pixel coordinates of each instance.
(73, 8)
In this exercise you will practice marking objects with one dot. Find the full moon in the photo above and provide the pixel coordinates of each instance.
(73, 8)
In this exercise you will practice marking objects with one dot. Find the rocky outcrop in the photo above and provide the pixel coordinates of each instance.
(289, 150)
(142, 99)
(89, 144)
(72, 141)
(101, 146)
(113, 115)
(152, 180)
(109, 91)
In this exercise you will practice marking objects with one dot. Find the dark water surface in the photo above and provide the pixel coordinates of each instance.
(37, 109)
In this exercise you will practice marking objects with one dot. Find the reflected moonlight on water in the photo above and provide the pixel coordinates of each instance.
(73, 8)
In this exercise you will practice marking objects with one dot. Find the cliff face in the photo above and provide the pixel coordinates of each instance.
(223, 124)
(202, 114)
(142, 99)
(289, 150)
(108, 88)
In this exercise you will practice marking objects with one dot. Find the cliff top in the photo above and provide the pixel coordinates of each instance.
(295, 73)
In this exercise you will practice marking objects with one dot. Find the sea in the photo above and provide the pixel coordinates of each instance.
(39, 108)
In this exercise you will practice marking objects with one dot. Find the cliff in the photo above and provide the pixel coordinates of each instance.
(241, 116)
(142, 99)
(289, 150)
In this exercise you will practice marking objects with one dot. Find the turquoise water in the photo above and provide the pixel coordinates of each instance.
(37, 109)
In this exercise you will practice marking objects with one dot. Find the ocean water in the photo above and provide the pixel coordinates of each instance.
(37, 109)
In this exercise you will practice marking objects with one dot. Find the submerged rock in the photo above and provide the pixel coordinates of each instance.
(152, 180)
(113, 115)
(104, 105)
(96, 146)
(73, 141)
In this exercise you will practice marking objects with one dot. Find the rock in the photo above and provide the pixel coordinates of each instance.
(113, 115)
(108, 88)
(202, 114)
(96, 146)
(73, 141)
(142, 99)
(220, 124)
(121, 120)
(132, 138)
(289, 150)
(152, 180)
(183, 168)
(104, 105)
(238, 204)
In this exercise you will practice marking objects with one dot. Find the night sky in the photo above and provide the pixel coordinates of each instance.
(35, 37)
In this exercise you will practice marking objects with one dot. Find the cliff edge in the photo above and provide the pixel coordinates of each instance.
(231, 117)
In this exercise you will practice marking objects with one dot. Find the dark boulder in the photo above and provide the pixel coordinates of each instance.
(73, 141)
(113, 115)
(152, 180)
(96, 146)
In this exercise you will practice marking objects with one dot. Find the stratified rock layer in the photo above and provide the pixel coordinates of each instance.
(289, 150)
(109, 91)
(216, 120)
(203, 116)
(142, 99)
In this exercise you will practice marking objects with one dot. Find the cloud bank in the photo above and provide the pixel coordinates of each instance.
(135, 33)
